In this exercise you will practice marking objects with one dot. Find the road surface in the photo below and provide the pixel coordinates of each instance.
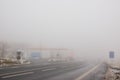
(55, 71)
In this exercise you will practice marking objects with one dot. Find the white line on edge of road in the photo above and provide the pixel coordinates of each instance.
(9, 76)
(49, 69)
(87, 73)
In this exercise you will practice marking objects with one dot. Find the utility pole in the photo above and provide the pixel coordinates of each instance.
(2, 52)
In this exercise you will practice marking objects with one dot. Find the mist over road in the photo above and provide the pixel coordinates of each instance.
(56, 71)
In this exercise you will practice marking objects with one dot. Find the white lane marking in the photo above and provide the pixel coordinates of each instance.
(64, 66)
(46, 64)
(88, 72)
(15, 67)
(1, 68)
(49, 69)
(9, 76)
(22, 71)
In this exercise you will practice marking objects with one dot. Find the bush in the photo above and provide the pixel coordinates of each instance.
(7, 62)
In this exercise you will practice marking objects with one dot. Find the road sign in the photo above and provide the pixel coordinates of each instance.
(111, 55)
(35, 55)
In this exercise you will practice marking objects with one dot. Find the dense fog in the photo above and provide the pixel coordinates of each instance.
(90, 28)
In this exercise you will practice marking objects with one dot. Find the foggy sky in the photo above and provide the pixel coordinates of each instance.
(91, 27)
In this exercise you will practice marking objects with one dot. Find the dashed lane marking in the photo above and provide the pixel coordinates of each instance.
(1, 68)
(14, 75)
(22, 71)
(16, 67)
(49, 69)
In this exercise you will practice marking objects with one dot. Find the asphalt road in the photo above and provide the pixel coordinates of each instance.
(54, 71)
